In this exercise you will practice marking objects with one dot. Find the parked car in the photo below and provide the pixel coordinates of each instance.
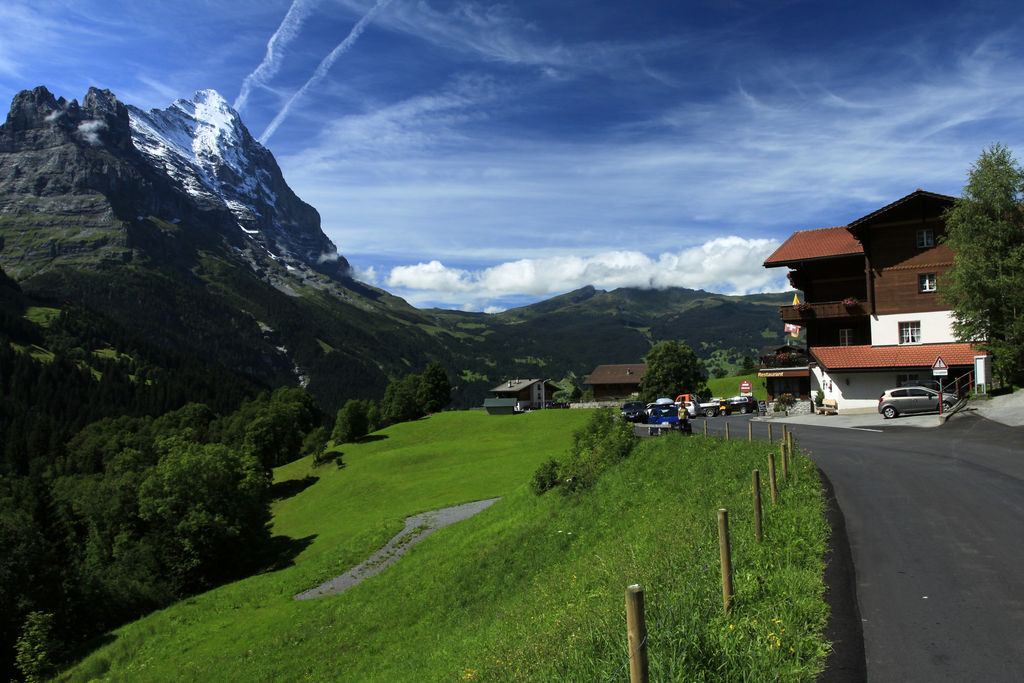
(670, 414)
(660, 402)
(634, 411)
(718, 405)
(695, 405)
(902, 400)
(690, 403)
(743, 404)
(932, 384)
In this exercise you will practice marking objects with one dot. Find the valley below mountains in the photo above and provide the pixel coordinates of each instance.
(178, 225)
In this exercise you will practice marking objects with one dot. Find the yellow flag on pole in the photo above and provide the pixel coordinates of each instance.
(796, 299)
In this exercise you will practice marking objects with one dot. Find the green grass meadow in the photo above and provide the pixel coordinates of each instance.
(730, 386)
(531, 588)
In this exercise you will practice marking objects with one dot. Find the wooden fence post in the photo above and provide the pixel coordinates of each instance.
(770, 437)
(785, 461)
(726, 431)
(750, 430)
(771, 476)
(758, 529)
(636, 627)
(723, 545)
(705, 426)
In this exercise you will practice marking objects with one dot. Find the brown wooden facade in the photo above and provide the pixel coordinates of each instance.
(894, 256)
(860, 282)
(616, 382)
(884, 279)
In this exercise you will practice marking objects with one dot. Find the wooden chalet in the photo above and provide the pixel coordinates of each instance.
(528, 394)
(870, 306)
(616, 382)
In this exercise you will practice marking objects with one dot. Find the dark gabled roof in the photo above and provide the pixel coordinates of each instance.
(517, 385)
(909, 356)
(808, 245)
(916, 194)
(823, 243)
(500, 403)
(629, 373)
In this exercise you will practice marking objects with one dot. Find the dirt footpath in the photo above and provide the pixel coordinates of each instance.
(416, 529)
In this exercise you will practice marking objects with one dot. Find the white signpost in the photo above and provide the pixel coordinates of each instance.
(940, 370)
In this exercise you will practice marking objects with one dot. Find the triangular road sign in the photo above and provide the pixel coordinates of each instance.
(938, 364)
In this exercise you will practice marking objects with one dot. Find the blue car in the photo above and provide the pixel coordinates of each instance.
(668, 415)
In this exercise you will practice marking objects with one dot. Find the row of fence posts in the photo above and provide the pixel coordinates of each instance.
(636, 625)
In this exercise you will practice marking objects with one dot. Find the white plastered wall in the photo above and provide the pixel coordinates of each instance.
(936, 327)
(854, 392)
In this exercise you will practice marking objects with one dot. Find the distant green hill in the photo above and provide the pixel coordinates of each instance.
(129, 226)
(573, 333)
(347, 340)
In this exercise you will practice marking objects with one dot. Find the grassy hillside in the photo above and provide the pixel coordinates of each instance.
(730, 386)
(530, 589)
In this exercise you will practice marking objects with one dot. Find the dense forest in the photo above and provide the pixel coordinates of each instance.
(132, 476)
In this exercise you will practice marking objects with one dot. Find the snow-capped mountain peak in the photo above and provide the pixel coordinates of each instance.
(203, 145)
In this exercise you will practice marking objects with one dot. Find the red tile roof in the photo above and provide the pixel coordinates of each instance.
(920, 355)
(805, 245)
(617, 374)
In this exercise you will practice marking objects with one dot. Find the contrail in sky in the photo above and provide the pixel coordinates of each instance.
(321, 70)
(284, 34)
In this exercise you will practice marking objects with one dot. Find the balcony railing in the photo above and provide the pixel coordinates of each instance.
(822, 310)
(784, 360)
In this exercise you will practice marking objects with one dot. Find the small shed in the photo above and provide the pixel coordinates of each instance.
(615, 382)
(500, 406)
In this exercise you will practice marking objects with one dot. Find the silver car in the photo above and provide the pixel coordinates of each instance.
(902, 400)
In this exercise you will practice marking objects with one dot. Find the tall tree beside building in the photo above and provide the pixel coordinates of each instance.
(985, 285)
(672, 369)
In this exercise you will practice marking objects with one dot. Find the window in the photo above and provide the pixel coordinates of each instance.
(910, 332)
(846, 336)
(926, 282)
(925, 238)
(902, 380)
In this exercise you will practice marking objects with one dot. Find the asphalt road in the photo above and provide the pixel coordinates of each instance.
(935, 518)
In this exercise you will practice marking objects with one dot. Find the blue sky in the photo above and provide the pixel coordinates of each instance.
(484, 155)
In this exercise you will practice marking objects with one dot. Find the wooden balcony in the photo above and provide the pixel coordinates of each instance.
(822, 310)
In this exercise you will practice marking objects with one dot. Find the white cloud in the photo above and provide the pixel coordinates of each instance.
(731, 265)
(89, 131)
(368, 275)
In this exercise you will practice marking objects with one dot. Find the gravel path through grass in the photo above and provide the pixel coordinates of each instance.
(417, 527)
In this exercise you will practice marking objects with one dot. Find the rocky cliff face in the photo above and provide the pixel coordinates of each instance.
(203, 145)
(103, 181)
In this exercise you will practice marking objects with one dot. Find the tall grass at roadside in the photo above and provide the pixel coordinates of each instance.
(530, 589)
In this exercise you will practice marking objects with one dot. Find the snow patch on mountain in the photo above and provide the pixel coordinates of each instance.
(204, 146)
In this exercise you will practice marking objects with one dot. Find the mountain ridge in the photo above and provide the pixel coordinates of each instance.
(195, 240)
